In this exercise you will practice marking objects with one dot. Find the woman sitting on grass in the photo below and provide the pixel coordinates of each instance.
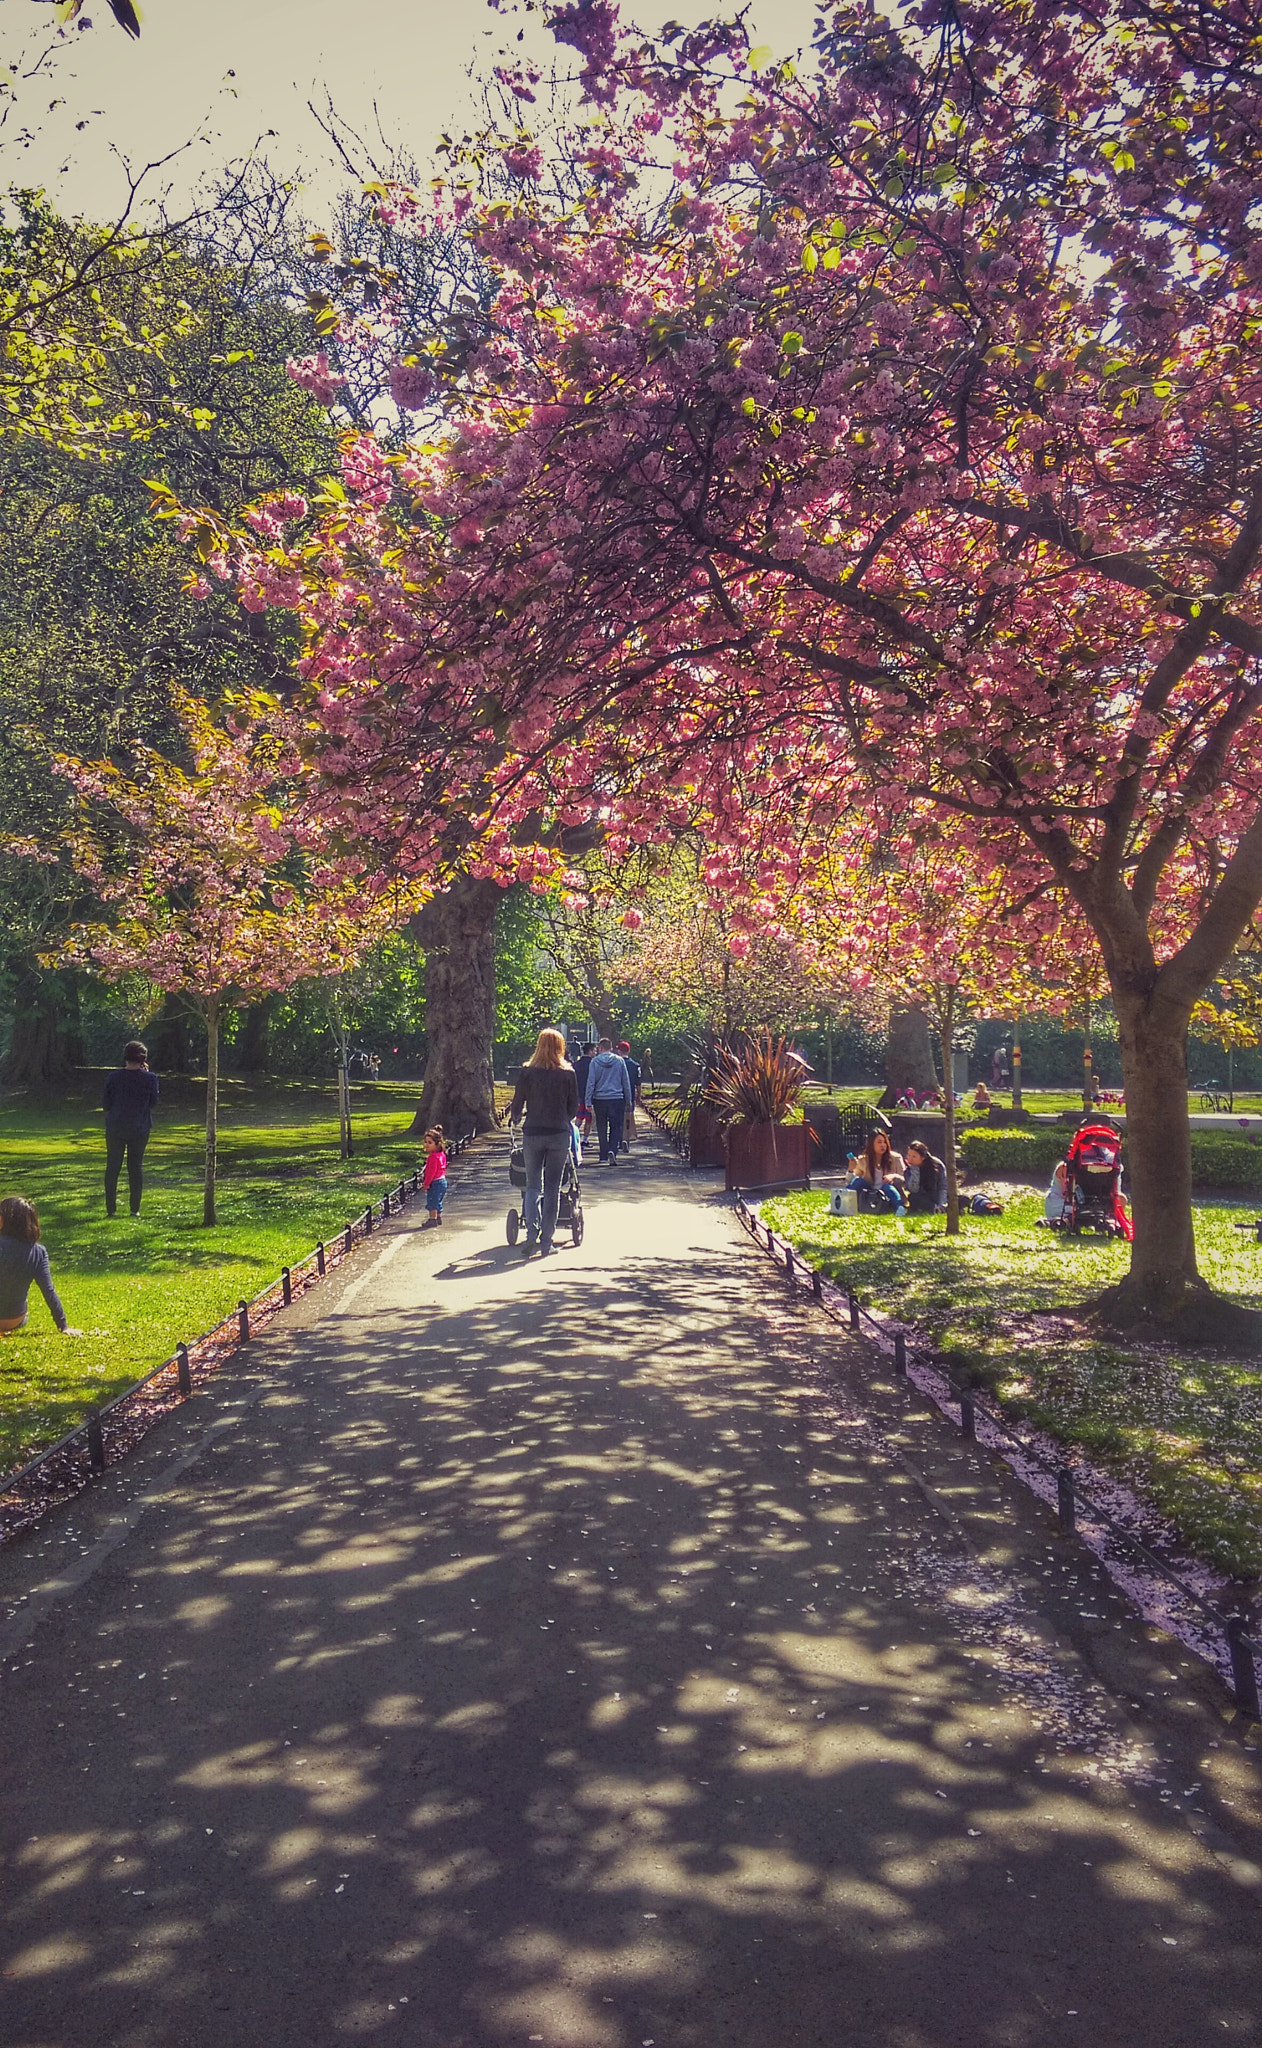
(879, 1181)
(924, 1186)
(23, 1260)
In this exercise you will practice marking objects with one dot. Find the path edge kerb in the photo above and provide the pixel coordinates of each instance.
(1231, 1654)
(65, 1468)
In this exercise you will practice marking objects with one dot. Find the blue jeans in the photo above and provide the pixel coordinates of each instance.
(545, 1155)
(610, 1117)
(872, 1200)
(435, 1195)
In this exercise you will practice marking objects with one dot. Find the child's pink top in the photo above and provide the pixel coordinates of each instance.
(435, 1168)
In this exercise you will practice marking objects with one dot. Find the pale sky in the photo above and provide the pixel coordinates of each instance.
(411, 57)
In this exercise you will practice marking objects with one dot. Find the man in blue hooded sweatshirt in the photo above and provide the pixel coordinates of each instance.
(608, 1094)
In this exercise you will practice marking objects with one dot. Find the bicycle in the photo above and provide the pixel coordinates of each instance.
(1214, 1102)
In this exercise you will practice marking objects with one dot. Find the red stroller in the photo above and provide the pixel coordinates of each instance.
(1093, 1183)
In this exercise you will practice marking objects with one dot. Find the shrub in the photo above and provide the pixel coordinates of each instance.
(1216, 1162)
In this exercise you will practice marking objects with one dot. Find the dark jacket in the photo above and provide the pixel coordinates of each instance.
(549, 1097)
(23, 1266)
(932, 1188)
(128, 1098)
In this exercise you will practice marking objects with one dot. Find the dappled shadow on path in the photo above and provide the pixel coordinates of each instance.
(553, 1670)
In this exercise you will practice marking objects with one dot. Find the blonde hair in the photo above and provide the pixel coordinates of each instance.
(549, 1051)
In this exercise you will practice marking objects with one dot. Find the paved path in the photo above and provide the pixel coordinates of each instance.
(560, 1653)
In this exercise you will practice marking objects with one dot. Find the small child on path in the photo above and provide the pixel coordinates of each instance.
(23, 1264)
(434, 1178)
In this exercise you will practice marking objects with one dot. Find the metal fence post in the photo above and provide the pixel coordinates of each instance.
(243, 1320)
(96, 1441)
(368, 1221)
(320, 1261)
(286, 1286)
(1065, 1500)
(968, 1412)
(788, 1260)
(416, 1180)
(350, 1235)
(853, 1300)
(1244, 1672)
(184, 1378)
(900, 1352)
(817, 1284)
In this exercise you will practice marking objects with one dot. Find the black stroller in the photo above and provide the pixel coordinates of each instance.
(570, 1211)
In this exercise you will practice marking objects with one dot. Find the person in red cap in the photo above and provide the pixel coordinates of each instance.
(635, 1071)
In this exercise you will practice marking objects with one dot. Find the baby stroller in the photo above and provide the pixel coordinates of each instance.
(570, 1211)
(1093, 1183)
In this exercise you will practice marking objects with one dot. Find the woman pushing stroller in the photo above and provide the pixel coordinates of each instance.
(547, 1097)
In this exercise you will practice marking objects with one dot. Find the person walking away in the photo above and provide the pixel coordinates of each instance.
(23, 1263)
(608, 1096)
(546, 1098)
(646, 1069)
(633, 1069)
(581, 1071)
(434, 1178)
(128, 1098)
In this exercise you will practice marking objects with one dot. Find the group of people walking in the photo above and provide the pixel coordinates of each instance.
(555, 1103)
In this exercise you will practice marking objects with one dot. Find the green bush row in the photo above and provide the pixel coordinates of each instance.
(1216, 1162)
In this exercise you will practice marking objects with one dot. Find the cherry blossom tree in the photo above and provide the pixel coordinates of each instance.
(209, 890)
(893, 425)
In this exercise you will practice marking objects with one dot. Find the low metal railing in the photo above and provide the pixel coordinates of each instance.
(84, 1451)
(1242, 1648)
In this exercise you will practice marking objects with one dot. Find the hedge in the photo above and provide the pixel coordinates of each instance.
(1216, 1162)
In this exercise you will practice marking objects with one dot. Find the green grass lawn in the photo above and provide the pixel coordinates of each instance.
(1186, 1431)
(137, 1289)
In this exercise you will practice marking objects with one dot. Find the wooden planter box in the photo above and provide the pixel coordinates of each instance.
(761, 1155)
(707, 1140)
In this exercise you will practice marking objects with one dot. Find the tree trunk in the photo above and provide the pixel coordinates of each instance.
(169, 1051)
(1163, 1285)
(457, 932)
(212, 1109)
(250, 1053)
(39, 1054)
(908, 1056)
(946, 1036)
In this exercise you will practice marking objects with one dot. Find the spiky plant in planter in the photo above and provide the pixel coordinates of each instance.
(759, 1082)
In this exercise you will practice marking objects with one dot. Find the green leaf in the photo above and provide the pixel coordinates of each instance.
(790, 344)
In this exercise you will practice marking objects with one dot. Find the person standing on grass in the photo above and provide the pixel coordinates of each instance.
(434, 1178)
(547, 1098)
(608, 1096)
(128, 1098)
(23, 1263)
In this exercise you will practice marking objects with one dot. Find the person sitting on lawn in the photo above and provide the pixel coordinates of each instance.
(879, 1181)
(924, 1183)
(23, 1261)
(1054, 1199)
(982, 1097)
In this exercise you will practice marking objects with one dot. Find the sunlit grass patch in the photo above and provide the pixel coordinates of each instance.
(1186, 1430)
(137, 1288)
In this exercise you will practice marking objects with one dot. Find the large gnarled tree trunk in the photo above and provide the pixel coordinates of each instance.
(1154, 1007)
(908, 1056)
(457, 933)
